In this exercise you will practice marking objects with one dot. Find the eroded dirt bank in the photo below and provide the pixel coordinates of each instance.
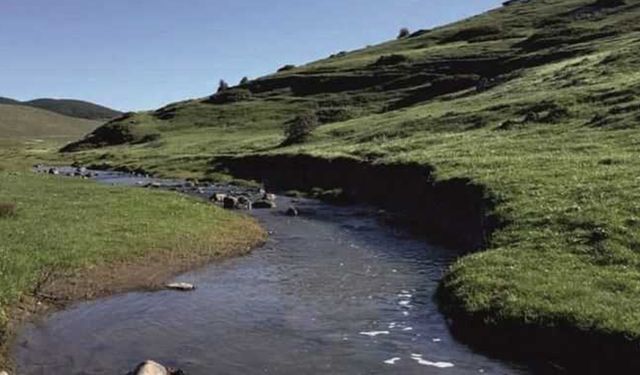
(456, 212)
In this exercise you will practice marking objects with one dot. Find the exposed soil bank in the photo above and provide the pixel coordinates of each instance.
(457, 213)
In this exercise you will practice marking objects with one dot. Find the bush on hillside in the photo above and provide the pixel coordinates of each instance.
(300, 128)
(223, 86)
(403, 33)
(244, 81)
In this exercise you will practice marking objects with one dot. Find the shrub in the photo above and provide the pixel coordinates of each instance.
(244, 81)
(300, 128)
(223, 86)
(404, 32)
(286, 68)
(7, 210)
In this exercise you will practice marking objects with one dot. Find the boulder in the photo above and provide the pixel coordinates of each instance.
(245, 203)
(269, 197)
(154, 368)
(264, 204)
(292, 211)
(230, 203)
(54, 171)
(4, 373)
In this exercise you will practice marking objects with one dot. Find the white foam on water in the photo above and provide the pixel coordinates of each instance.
(404, 303)
(406, 329)
(392, 361)
(392, 325)
(418, 358)
(405, 295)
(374, 333)
(436, 340)
(405, 313)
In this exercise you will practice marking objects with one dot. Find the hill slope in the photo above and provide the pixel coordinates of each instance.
(75, 108)
(68, 107)
(537, 101)
(18, 121)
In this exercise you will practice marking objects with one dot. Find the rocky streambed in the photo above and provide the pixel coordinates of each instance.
(333, 291)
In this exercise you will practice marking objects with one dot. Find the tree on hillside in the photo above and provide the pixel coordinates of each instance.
(223, 86)
(300, 128)
(244, 80)
(404, 32)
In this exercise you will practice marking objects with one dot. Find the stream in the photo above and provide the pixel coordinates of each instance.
(333, 291)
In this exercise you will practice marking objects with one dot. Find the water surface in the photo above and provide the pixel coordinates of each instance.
(332, 292)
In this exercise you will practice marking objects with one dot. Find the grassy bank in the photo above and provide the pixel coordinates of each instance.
(538, 101)
(70, 239)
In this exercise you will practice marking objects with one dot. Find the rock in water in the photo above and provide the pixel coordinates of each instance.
(230, 203)
(292, 211)
(269, 197)
(153, 368)
(182, 287)
(245, 203)
(150, 368)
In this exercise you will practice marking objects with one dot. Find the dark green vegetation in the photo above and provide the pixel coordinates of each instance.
(17, 121)
(68, 107)
(538, 101)
(58, 231)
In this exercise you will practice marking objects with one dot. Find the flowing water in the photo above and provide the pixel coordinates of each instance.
(332, 292)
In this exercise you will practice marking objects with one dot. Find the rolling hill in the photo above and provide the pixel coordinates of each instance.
(68, 107)
(529, 113)
(17, 121)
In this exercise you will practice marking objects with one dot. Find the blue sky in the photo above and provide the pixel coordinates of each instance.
(141, 54)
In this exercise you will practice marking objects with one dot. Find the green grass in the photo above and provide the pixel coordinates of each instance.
(555, 139)
(64, 226)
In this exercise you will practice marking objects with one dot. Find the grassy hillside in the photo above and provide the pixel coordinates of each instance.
(538, 101)
(18, 121)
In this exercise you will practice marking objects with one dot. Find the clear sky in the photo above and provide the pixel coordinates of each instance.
(141, 54)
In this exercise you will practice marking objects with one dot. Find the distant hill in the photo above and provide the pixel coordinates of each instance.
(8, 101)
(68, 107)
(18, 121)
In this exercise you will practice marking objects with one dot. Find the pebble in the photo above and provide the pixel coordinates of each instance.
(182, 287)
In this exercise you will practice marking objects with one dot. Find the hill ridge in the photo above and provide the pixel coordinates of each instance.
(68, 107)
